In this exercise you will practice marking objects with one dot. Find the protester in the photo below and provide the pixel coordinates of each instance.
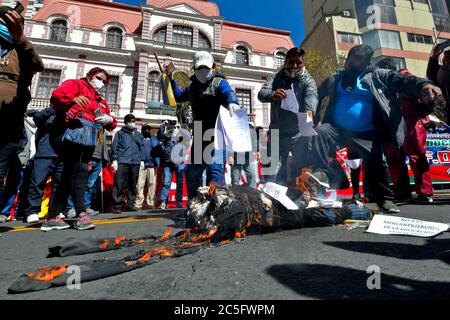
(440, 74)
(171, 162)
(81, 99)
(127, 156)
(414, 147)
(147, 175)
(48, 160)
(207, 92)
(19, 62)
(364, 112)
(293, 76)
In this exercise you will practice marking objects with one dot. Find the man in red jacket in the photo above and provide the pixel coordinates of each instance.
(414, 147)
(80, 99)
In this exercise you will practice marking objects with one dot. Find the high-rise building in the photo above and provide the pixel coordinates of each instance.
(402, 29)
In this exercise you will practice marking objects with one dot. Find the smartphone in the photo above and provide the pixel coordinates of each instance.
(19, 8)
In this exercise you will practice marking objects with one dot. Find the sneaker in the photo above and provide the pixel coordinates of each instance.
(84, 222)
(163, 206)
(424, 199)
(71, 213)
(33, 218)
(390, 207)
(54, 224)
(321, 177)
(3, 218)
(132, 209)
(91, 212)
(62, 216)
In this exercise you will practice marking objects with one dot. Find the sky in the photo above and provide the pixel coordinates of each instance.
(277, 14)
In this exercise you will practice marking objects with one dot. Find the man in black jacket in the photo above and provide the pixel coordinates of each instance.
(127, 156)
(364, 112)
(441, 74)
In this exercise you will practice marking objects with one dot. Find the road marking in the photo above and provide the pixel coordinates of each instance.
(96, 222)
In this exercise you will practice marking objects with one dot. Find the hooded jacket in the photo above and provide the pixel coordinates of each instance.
(305, 90)
(128, 146)
(385, 85)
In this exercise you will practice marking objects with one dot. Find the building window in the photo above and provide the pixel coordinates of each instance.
(160, 35)
(280, 57)
(419, 38)
(111, 92)
(378, 39)
(440, 15)
(242, 55)
(203, 41)
(245, 99)
(114, 38)
(399, 62)
(421, 1)
(349, 38)
(58, 30)
(182, 36)
(385, 7)
(48, 81)
(153, 88)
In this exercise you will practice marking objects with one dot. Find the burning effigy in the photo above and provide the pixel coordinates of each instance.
(216, 217)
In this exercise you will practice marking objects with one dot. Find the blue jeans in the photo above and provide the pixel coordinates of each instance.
(97, 166)
(214, 172)
(168, 170)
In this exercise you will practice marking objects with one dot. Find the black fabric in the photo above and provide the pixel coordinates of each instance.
(125, 173)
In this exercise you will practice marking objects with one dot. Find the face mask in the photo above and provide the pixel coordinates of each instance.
(96, 84)
(5, 34)
(294, 73)
(204, 75)
(131, 125)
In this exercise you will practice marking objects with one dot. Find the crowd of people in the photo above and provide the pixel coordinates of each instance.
(378, 112)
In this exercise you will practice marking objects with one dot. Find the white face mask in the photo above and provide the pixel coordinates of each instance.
(204, 75)
(131, 125)
(294, 73)
(96, 84)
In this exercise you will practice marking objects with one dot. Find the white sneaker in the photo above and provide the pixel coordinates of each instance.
(34, 218)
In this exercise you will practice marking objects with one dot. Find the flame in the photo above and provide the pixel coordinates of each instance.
(225, 242)
(257, 217)
(105, 244)
(163, 251)
(137, 241)
(166, 234)
(303, 182)
(183, 235)
(202, 236)
(146, 257)
(212, 189)
(248, 223)
(48, 273)
(240, 234)
(118, 240)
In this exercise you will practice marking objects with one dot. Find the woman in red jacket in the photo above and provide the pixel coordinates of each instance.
(79, 99)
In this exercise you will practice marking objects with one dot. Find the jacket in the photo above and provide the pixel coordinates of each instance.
(167, 145)
(50, 133)
(432, 74)
(385, 86)
(62, 99)
(15, 80)
(127, 147)
(305, 89)
(151, 152)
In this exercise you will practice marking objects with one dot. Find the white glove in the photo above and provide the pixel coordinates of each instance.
(232, 107)
(142, 165)
(115, 165)
(104, 120)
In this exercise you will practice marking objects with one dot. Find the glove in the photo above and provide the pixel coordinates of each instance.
(142, 165)
(232, 107)
(115, 165)
(104, 120)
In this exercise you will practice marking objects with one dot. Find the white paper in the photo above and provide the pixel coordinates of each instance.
(389, 225)
(234, 130)
(279, 193)
(305, 125)
(290, 103)
(353, 164)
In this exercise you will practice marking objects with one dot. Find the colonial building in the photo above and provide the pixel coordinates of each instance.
(73, 36)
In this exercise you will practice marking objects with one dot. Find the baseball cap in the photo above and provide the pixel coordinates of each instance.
(203, 58)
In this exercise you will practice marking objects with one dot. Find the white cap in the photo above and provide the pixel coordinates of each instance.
(203, 58)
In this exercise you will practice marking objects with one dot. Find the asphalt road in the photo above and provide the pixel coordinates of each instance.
(320, 263)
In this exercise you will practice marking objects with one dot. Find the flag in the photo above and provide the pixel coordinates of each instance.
(167, 91)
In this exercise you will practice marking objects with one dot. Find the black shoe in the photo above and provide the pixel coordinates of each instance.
(116, 211)
(424, 199)
(404, 198)
(132, 209)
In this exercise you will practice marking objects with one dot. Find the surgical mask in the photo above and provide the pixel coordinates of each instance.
(96, 84)
(131, 125)
(204, 75)
(5, 34)
(294, 73)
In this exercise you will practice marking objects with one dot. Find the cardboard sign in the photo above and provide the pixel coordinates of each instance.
(390, 225)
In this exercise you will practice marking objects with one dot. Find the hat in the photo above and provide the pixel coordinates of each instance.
(146, 125)
(203, 58)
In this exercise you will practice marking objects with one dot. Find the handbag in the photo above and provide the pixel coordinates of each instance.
(83, 132)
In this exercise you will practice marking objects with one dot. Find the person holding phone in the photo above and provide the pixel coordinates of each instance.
(19, 62)
(79, 99)
(440, 74)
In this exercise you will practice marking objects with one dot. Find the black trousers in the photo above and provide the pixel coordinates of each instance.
(73, 180)
(125, 173)
(8, 160)
(368, 146)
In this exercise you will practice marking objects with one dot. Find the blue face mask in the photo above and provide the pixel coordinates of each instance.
(5, 34)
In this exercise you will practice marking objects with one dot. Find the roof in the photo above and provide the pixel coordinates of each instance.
(260, 39)
(92, 13)
(207, 8)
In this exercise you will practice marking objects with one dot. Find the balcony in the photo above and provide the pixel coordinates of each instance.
(39, 104)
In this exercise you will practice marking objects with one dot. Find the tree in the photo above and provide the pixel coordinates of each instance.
(321, 66)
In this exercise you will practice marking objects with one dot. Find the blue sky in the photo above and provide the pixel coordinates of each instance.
(278, 14)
